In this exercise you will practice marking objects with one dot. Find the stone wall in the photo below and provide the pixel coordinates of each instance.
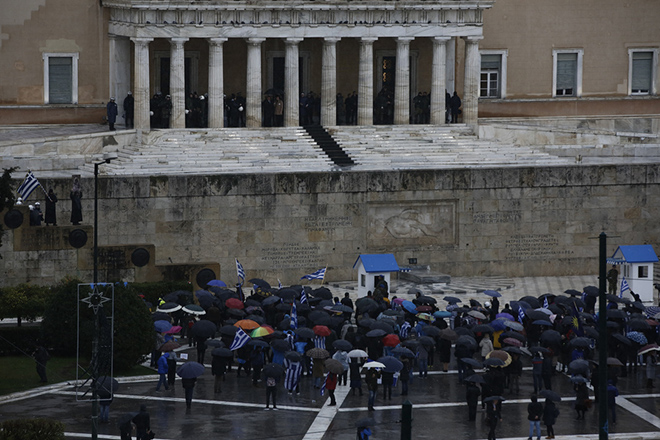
(510, 221)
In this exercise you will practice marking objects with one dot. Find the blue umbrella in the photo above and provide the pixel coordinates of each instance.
(403, 352)
(217, 283)
(442, 314)
(505, 315)
(190, 370)
(637, 337)
(452, 299)
(493, 293)
(498, 324)
(162, 326)
(203, 293)
(409, 306)
(392, 364)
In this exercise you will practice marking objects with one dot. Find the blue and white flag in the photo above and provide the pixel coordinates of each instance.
(240, 339)
(521, 314)
(545, 302)
(294, 316)
(240, 272)
(279, 283)
(624, 286)
(319, 342)
(318, 275)
(29, 184)
(324, 382)
(303, 297)
(405, 329)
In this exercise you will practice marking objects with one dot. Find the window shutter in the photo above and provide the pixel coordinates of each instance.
(566, 70)
(491, 62)
(60, 80)
(642, 66)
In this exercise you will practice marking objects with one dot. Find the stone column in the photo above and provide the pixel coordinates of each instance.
(216, 83)
(366, 82)
(471, 83)
(141, 84)
(402, 82)
(329, 82)
(439, 81)
(119, 71)
(253, 92)
(291, 83)
(178, 83)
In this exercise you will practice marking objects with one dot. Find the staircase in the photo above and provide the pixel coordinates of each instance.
(329, 145)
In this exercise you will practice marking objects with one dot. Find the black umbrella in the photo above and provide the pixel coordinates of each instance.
(431, 330)
(549, 394)
(638, 324)
(342, 344)
(622, 339)
(452, 299)
(259, 282)
(532, 301)
(215, 343)
(427, 340)
(578, 366)
(287, 294)
(616, 314)
(322, 292)
(228, 330)
(280, 345)
(403, 352)
(472, 362)
(513, 349)
(293, 356)
(304, 332)
(366, 304)
(377, 333)
(426, 300)
(464, 331)
(580, 342)
(382, 325)
(366, 322)
(392, 364)
(467, 341)
(236, 312)
(190, 370)
(539, 349)
(591, 290)
(535, 315)
(475, 378)
(222, 352)
(106, 386)
(482, 328)
(514, 335)
(494, 362)
(273, 370)
(493, 398)
(203, 329)
(550, 337)
(573, 292)
(591, 332)
(273, 299)
(258, 343)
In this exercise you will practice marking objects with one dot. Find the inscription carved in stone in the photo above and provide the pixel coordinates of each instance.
(535, 246)
(326, 223)
(412, 224)
(496, 217)
(290, 255)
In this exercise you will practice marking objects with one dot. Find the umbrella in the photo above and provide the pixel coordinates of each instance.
(391, 340)
(638, 324)
(374, 364)
(342, 344)
(403, 352)
(579, 379)
(431, 330)
(366, 322)
(616, 313)
(542, 322)
(392, 364)
(578, 366)
(280, 345)
(228, 330)
(648, 348)
(234, 303)
(169, 307)
(514, 335)
(494, 362)
(551, 337)
(442, 314)
(383, 325)
(273, 370)
(190, 370)
(460, 331)
(414, 291)
(258, 343)
(357, 353)
(498, 324)
(411, 343)
(580, 342)
(573, 292)
(512, 341)
(591, 332)
(472, 362)
(426, 317)
(614, 362)
(467, 340)
(620, 338)
(293, 356)
(424, 309)
(257, 282)
(262, 331)
(217, 283)
(106, 386)
(493, 398)
(513, 349)
(222, 352)
(532, 301)
(377, 333)
(449, 334)
(214, 343)
(505, 316)
(236, 312)
(203, 329)
(549, 394)
(246, 324)
(474, 303)
(538, 349)
(637, 337)
(475, 378)
(194, 309)
(273, 299)
(483, 328)
(173, 330)
(321, 330)
(169, 346)
(426, 340)
(365, 304)
(476, 314)
(304, 332)
(501, 355)
(256, 318)
(340, 308)
(409, 306)
(514, 325)
(317, 353)
(365, 422)
(322, 292)
(426, 300)
(334, 366)
(493, 293)
(452, 299)
(162, 326)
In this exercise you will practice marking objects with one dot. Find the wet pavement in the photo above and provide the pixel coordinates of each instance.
(439, 409)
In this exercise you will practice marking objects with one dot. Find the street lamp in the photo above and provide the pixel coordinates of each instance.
(107, 157)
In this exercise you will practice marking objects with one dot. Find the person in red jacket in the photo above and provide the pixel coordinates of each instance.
(331, 385)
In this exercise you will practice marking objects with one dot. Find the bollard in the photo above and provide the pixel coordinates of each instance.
(406, 420)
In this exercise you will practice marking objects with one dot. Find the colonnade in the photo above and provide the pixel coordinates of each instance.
(254, 81)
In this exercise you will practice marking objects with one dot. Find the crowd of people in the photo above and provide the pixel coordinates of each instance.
(277, 336)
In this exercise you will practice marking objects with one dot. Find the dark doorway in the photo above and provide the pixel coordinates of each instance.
(278, 74)
(165, 75)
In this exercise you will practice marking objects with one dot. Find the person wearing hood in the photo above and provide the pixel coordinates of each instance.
(550, 414)
(163, 368)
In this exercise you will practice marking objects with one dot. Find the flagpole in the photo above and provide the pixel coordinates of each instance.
(325, 270)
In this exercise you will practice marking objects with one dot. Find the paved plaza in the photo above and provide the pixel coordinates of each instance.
(439, 409)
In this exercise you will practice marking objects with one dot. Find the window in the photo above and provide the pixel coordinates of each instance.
(642, 272)
(60, 78)
(363, 280)
(643, 64)
(492, 82)
(567, 72)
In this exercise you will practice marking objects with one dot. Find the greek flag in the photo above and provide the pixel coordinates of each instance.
(323, 386)
(303, 297)
(294, 316)
(624, 286)
(545, 302)
(240, 272)
(521, 314)
(318, 275)
(240, 339)
(319, 342)
(279, 283)
(405, 329)
(29, 184)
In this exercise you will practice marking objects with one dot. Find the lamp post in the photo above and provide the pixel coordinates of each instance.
(95, 338)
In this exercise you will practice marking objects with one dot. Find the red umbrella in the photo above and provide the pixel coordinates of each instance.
(512, 341)
(424, 308)
(321, 330)
(391, 340)
(234, 303)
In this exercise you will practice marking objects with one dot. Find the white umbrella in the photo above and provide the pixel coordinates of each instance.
(374, 364)
(358, 354)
